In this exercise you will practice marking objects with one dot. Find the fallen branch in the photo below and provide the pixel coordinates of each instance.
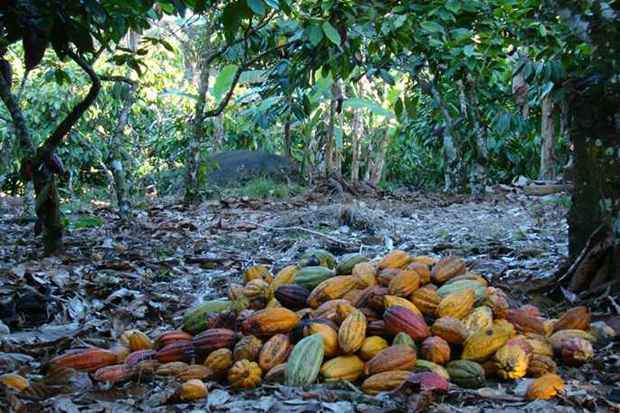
(302, 229)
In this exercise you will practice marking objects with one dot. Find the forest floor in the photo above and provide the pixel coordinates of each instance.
(144, 274)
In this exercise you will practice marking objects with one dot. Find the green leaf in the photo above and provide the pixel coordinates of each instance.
(331, 33)
(315, 34)
(546, 89)
(431, 26)
(223, 82)
(257, 6)
(374, 107)
(469, 50)
(338, 138)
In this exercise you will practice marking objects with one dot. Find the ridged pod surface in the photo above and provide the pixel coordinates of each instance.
(386, 381)
(457, 305)
(275, 351)
(245, 374)
(545, 387)
(352, 332)
(331, 289)
(304, 362)
(88, 360)
(342, 368)
(399, 319)
(466, 374)
(270, 321)
(330, 337)
(372, 346)
(399, 357)
(481, 345)
(395, 259)
(447, 268)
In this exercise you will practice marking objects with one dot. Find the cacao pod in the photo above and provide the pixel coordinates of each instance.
(366, 274)
(450, 329)
(258, 289)
(511, 362)
(545, 387)
(435, 349)
(219, 361)
(247, 348)
(193, 390)
(540, 365)
(458, 286)
(171, 337)
(352, 332)
(317, 257)
(481, 345)
(525, 322)
(292, 296)
(478, 319)
(342, 368)
(139, 356)
(330, 337)
(386, 381)
(577, 318)
(274, 352)
(214, 339)
(576, 351)
(270, 321)
(372, 297)
(386, 275)
(540, 345)
(426, 300)
(178, 351)
(405, 339)
(376, 328)
(559, 337)
(399, 319)
(425, 365)
(171, 369)
(467, 374)
(304, 362)
(395, 259)
(372, 346)
(310, 277)
(285, 276)
(404, 283)
(258, 272)
(88, 359)
(424, 260)
(447, 268)
(331, 289)
(423, 271)
(329, 310)
(20, 383)
(277, 374)
(497, 301)
(136, 340)
(457, 305)
(196, 318)
(114, 374)
(399, 357)
(194, 371)
(245, 374)
(347, 263)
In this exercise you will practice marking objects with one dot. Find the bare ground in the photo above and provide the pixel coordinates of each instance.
(144, 274)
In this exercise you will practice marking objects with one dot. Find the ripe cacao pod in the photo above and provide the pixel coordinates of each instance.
(195, 319)
(285, 276)
(405, 339)
(113, 374)
(247, 348)
(139, 356)
(545, 387)
(193, 390)
(352, 332)
(467, 374)
(219, 361)
(258, 289)
(366, 274)
(540, 345)
(452, 287)
(274, 352)
(372, 346)
(245, 374)
(376, 328)
(521, 342)
(329, 310)
(481, 345)
(404, 283)
(457, 305)
(136, 340)
(478, 319)
(399, 357)
(424, 260)
(88, 359)
(171, 369)
(540, 365)
(577, 318)
(450, 329)
(423, 271)
(353, 295)
(194, 371)
(329, 334)
(258, 272)
(331, 289)
(171, 337)
(399, 319)
(372, 297)
(386, 381)
(511, 362)
(525, 322)
(277, 374)
(576, 351)
(178, 351)
(304, 362)
(395, 259)
(435, 349)
(386, 275)
(426, 300)
(559, 337)
(342, 368)
(213, 339)
(270, 321)
(447, 268)
(20, 383)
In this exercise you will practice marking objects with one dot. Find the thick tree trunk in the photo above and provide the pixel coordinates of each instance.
(116, 158)
(547, 132)
(478, 175)
(192, 190)
(596, 199)
(520, 87)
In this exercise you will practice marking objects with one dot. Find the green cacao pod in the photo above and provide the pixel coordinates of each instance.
(465, 373)
(318, 257)
(460, 285)
(196, 320)
(305, 361)
(310, 277)
(346, 264)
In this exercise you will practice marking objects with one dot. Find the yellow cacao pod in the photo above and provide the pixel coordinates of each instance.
(285, 276)
(258, 289)
(392, 300)
(352, 332)
(136, 340)
(426, 299)
(245, 374)
(219, 361)
(447, 268)
(193, 390)
(404, 283)
(481, 345)
(19, 383)
(511, 362)
(270, 321)
(478, 319)
(342, 368)
(457, 305)
(372, 346)
(258, 271)
(247, 348)
(330, 337)
(540, 345)
(366, 273)
(274, 352)
(331, 289)
(395, 259)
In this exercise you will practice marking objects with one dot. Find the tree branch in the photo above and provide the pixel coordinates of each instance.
(78, 110)
(19, 123)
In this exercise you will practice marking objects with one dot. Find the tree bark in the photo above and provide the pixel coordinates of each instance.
(377, 165)
(547, 132)
(357, 126)
(329, 139)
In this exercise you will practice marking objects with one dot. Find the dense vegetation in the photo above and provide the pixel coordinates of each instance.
(452, 95)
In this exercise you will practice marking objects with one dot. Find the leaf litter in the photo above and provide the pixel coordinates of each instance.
(143, 274)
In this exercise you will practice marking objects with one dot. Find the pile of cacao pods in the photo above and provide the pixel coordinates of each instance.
(375, 324)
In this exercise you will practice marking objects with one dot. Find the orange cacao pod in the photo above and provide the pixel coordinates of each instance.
(525, 322)
(88, 360)
(14, 381)
(435, 349)
(274, 352)
(423, 271)
(498, 302)
(258, 271)
(171, 337)
(386, 381)
(545, 387)
(426, 299)
(395, 259)
(447, 268)
(577, 318)
(136, 340)
(193, 390)
(139, 356)
(398, 357)
(450, 329)
(457, 305)
(219, 361)
(113, 374)
(540, 365)
(270, 321)
(329, 334)
(404, 283)
(178, 351)
(331, 289)
(399, 319)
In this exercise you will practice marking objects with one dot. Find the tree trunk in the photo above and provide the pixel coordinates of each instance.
(116, 163)
(547, 132)
(192, 189)
(287, 139)
(520, 87)
(219, 133)
(378, 163)
(595, 133)
(329, 139)
(478, 175)
(357, 126)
